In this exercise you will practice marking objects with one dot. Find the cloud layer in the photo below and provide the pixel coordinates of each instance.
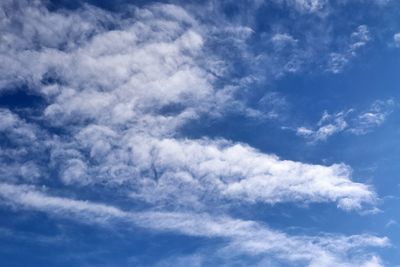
(243, 236)
(117, 89)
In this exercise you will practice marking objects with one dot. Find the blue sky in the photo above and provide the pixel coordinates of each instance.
(199, 133)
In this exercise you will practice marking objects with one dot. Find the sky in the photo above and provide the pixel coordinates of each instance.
(199, 133)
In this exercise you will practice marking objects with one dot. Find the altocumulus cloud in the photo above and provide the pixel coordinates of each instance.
(118, 88)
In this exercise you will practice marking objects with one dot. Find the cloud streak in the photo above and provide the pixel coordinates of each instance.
(246, 236)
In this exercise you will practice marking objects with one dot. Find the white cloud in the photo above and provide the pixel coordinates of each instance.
(15, 128)
(305, 6)
(27, 197)
(396, 39)
(349, 121)
(238, 172)
(309, 5)
(243, 236)
(120, 93)
(326, 127)
(121, 80)
(373, 117)
(281, 40)
(391, 223)
(358, 39)
(23, 138)
(373, 262)
(337, 62)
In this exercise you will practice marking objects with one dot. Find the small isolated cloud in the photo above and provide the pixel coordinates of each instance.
(391, 223)
(327, 126)
(396, 39)
(358, 39)
(373, 117)
(358, 123)
(281, 40)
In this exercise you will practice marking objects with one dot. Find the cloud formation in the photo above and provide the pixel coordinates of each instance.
(244, 236)
(358, 123)
(358, 39)
(117, 90)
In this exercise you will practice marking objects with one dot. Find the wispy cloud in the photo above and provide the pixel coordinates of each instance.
(327, 126)
(117, 90)
(358, 39)
(396, 39)
(246, 236)
(358, 123)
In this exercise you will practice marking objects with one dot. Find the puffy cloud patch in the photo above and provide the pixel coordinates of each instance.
(238, 172)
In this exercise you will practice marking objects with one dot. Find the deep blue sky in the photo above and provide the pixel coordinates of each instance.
(192, 133)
